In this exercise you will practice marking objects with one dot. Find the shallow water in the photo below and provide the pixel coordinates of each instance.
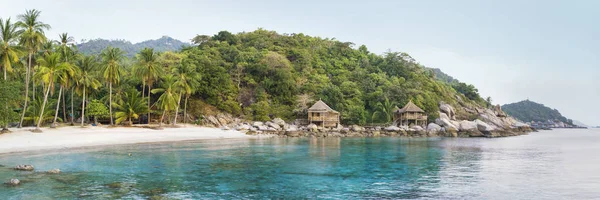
(559, 164)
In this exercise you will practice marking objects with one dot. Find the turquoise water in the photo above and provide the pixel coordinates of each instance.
(560, 164)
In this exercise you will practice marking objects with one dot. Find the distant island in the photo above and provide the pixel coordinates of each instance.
(539, 116)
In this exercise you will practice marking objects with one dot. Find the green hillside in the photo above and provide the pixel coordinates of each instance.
(528, 111)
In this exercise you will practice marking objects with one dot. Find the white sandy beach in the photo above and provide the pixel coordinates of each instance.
(71, 137)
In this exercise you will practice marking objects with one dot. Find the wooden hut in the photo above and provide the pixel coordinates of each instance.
(322, 115)
(410, 115)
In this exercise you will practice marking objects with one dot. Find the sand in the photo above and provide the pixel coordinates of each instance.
(20, 140)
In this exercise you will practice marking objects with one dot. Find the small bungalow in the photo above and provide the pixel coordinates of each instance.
(322, 115)
(410, 115)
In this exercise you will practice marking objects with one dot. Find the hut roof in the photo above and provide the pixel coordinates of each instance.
(410, 107)
(320, 106)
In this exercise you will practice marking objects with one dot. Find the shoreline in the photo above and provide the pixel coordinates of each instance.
(22, 140)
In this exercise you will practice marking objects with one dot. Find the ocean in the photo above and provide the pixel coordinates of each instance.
(557, 164)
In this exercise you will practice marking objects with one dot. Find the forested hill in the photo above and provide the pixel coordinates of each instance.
(528, 111)
(264, 74)
(162, 44)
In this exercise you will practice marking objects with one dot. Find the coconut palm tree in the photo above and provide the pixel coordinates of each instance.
(86, 80)
(147, 66)
(64, 78)
(383, 111)
(66, 45)
(9, 50)
(130, 107)
(187, 80)
(168, 99)
(113, 69)
(49, 69)
(32, 37)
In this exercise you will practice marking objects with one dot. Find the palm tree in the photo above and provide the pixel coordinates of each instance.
(32, 37)
(86, 80)
(66, 50)
(147, 67)
(130, 107)
(9, 50)
(168, 99)
(64, 78)
(49, 68)
(186, 85)
(383, 110)
(113, 69)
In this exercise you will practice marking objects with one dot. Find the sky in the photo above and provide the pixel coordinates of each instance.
(512, 50)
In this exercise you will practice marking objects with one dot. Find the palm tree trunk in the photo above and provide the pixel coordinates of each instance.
(26, 91)
(185, 110)
(177, 110)
(4, 72)
(64, 107)
(110, 103)
(149, 88)
(143, 89)
(83, 107)
(161, 118)
(43, 106)
(57, 104)
(72, 110)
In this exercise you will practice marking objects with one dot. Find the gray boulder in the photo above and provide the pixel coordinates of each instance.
(483, 127)
(273, 125)
(433, 127)
(312, 127)
(257, 124)
(448, 109)
(445, 123)
(292, 128)
(467, 125)
(13, 182)
(263, 128)
(417, 128)
(243, 127)
(54, 171)
(392, 128)
(24, 167)
(278, 121)
(356, 128)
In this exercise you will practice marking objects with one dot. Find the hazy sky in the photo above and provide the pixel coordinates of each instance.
(547, 51)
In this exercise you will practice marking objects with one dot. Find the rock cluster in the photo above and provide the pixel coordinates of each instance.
(24, 167)
(13, 182)
(488, 123)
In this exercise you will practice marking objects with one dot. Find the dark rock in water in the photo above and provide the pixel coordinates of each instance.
(53, 171)
(154, 192)
(24, 167)
(13, 182)
(114, 185)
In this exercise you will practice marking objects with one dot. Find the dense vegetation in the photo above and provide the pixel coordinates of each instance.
(528, 111)
(165, 43)
(256, 75)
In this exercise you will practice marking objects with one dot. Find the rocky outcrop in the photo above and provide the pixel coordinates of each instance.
(13, 182)
(448, 110)
(53, 171)
(433, 128)
(24, 167)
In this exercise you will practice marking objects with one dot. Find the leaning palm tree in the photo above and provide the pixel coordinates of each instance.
(168, 99)
(66, 46)
(147, 66)
(9, 50)
(113, 69)
(64, 78)
(32, 37)
(49, 68)
(130, 107)
(187, 80)
(86, 80)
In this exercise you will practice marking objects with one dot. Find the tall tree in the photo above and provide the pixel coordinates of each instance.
(113, 70)
(86, 80)
(32, 37)
(49, 68)
(187, 80)
(148, 67)
(168, 99)
(9, 50)
(66, 50)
